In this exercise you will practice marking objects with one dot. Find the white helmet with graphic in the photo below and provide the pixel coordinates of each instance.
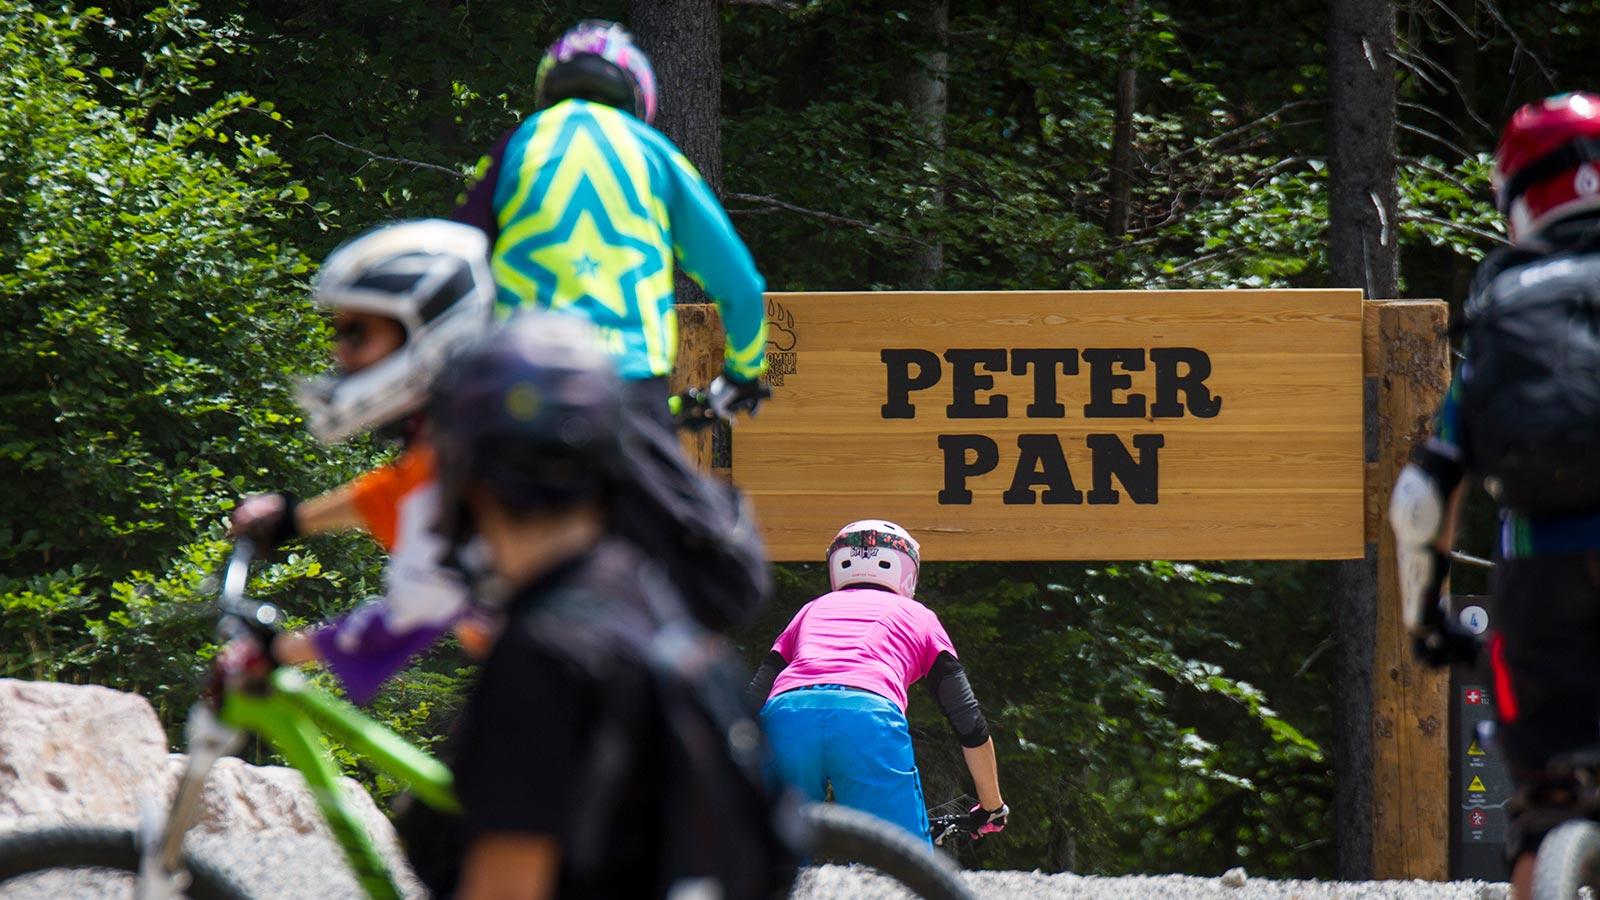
(874, 553)
(430, 275)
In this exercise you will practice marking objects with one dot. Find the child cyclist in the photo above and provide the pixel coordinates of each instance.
(404, 297)
(834, 687)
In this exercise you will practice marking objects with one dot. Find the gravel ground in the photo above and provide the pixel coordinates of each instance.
(290, 866)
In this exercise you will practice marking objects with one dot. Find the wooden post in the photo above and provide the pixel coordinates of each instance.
(700, 341)
(1410, 356)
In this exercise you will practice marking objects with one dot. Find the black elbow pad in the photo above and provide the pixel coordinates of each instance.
(761, 684)
(948, 682)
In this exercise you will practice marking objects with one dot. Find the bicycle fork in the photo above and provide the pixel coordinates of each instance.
(162, 875)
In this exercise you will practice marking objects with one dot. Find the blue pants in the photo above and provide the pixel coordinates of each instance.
(855, 740)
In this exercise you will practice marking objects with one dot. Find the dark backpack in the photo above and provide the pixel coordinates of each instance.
(723, 818)
(699, 526)
(674, 717)
(1530, 385)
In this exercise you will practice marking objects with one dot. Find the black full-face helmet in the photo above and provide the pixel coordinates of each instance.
(533, 413)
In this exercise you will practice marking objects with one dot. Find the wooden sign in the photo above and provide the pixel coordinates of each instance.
(1064, 425)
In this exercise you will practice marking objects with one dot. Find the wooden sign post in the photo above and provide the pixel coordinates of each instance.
(1409, 356)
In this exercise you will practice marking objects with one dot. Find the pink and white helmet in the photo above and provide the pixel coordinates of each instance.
(597, 60)
(874, 553)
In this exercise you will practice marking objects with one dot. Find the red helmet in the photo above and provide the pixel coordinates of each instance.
(1547, 165)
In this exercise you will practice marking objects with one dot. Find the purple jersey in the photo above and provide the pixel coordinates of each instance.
(864, 638)
(421, 600)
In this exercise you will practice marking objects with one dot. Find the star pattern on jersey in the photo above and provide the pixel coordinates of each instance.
(583, 255)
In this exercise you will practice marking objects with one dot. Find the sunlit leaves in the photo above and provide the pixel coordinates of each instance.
(152, 313)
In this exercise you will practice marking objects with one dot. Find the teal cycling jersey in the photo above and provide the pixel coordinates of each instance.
(588, 209)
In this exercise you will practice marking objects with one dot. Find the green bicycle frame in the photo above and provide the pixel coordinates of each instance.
(293, 716)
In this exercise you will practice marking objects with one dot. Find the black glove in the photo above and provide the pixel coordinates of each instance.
(729, 395)
(1443, 642)
(980, 821)
(267, 519)
(1447, 644)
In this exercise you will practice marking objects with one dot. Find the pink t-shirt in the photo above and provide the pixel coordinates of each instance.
(864, 638)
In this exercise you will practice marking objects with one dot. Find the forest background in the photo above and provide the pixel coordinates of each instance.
(170, 171)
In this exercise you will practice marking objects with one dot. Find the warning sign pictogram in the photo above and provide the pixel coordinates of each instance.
(1475, 750)
(1476, 785)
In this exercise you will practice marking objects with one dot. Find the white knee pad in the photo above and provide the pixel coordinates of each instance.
(1416, 507)
(1416, 513)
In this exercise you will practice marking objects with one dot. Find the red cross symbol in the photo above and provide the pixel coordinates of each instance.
(1474, 696)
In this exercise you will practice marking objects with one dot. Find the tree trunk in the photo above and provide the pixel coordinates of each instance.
(684, 41)
(919, 80)
(1362, 252)
(442, 130)
(1121, 185)
(1063, 841)
(1363, 196)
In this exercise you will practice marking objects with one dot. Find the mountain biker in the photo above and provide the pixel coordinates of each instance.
(834, 687)
(529, 431)
(404, 297)
(586, 207)
(1544, 648)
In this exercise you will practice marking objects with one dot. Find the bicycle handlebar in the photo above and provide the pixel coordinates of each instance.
(942, 827)
(238, 615)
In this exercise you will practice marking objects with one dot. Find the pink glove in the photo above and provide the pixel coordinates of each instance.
(982, 821)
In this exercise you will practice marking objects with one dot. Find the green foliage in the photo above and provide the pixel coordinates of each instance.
(1226, 188)
(155, 321)
(1443, 204)
(393, 101)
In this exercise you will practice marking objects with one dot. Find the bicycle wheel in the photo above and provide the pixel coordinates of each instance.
(848, 835)
(1569, 859)
(50, 853)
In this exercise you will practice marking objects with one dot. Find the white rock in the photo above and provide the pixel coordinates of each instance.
(1234, 877)
(239, 797)
(85, 753)
(77, 753)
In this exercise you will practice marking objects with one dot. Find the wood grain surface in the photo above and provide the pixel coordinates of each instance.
(1273, 471)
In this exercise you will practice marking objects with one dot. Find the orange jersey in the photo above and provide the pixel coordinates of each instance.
(399, 504)
(380, 494)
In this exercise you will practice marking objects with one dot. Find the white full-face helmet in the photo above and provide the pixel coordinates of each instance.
(874, 553)
(430, 275)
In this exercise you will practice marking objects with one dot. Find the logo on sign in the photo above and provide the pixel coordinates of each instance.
(781, 341)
